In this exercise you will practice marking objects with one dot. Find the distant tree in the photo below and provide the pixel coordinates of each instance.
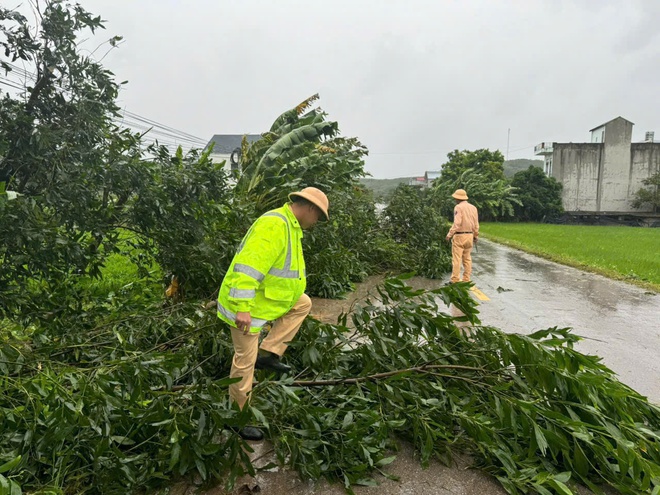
(511, 167)
(539, 194)
(495, 198)
(649, 195)
(485, 162)
(414, 223)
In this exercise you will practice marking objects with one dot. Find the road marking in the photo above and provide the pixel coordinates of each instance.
(480, 295)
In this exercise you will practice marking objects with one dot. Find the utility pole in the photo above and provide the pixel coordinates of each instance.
(508, 137)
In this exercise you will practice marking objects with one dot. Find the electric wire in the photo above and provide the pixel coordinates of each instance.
(151, 130)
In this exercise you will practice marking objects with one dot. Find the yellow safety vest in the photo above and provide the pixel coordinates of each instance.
(267, 275)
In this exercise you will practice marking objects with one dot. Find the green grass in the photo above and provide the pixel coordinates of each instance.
(120, 272)
(623, 253)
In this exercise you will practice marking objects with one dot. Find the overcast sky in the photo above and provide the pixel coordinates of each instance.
(412, 79)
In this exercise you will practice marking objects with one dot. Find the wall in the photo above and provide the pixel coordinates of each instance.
(589, 186)
(219, 157)
(616, 167)
(576, 167)
(598, 135)
(604, 177)
(645, 162)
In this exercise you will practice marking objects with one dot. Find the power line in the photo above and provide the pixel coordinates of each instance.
(9, 82)
(151, 130)
(408, 153)
(523, 148)
(153, 122)
(129, 119)
(154, 131)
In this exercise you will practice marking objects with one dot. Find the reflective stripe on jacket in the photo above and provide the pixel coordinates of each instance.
(267, 275)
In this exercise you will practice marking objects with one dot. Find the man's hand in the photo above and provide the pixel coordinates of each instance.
(243, 321)
(448, 239)
(474, 241)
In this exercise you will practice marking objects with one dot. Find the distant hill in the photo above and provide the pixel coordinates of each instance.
(383, 187)
(513, 166)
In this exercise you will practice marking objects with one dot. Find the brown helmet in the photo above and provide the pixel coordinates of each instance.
(316, 197)
(460, 194)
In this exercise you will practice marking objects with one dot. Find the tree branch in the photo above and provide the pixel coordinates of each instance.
(378, 376)
(360, 379)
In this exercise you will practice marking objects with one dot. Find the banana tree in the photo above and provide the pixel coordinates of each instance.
(302, 148)
(495, 198)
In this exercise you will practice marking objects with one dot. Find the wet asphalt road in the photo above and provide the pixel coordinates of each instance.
(619, 322)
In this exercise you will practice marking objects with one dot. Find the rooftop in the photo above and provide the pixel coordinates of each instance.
(603, 125)
(226, 143)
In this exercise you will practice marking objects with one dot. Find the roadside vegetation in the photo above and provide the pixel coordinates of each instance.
(624, 253)
(528, 196)
(383, 188)
(113, 368)
(649, 195)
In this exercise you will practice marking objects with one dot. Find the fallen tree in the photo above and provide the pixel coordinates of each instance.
(531, 410)
(143, 400)
(111, 389)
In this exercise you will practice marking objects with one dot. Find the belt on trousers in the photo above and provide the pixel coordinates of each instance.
(463, 232)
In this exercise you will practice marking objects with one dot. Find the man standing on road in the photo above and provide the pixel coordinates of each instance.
(266, 282)
(464, 232)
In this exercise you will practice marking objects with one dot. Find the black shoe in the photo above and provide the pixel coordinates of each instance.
(271, 362)
(251, 433)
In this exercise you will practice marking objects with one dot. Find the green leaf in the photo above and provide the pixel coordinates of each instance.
(385, 461)
(15, 488)
(560, 487)
(163, 422)
(348, 420)
(4, 486)
(580, 461)
(541, 490)
(8, 466)
(175, 456)
(201, 467)
(562, 477)
(121, 440)
(540, 439)
(259, 416)
(201, 424)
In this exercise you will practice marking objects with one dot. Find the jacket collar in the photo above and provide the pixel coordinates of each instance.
(291, 217)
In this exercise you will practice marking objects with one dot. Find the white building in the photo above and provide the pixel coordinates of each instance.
(426, 181)
(430, 176)
(227, 148)
(603, 175)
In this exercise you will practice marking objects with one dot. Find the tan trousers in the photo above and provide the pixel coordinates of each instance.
(246, 347)
(461, 249)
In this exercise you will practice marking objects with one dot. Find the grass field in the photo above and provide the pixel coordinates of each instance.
(120, 272)
(623, 253)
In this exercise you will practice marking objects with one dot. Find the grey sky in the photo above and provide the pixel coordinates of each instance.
(413, 80)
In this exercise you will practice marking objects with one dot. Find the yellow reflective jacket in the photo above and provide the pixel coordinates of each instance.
(267, 275)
